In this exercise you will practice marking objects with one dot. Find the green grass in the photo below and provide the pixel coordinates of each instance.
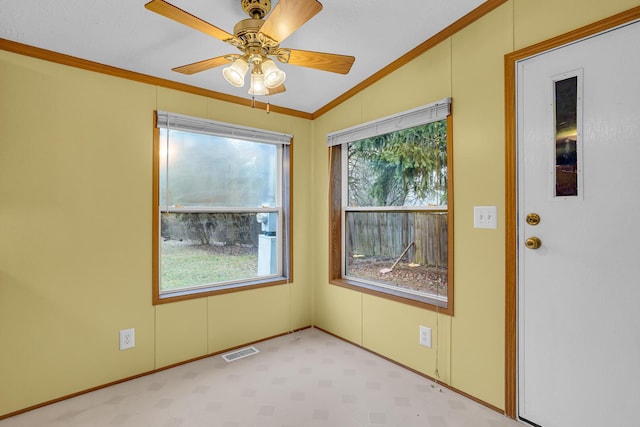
(184, 264)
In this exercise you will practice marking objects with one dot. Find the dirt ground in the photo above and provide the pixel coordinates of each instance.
(432, 280)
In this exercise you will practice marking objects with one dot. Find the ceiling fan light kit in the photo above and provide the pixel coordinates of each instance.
(264, 73)
(234, 74)
(257, 85)
(258, 40)
(273, 76)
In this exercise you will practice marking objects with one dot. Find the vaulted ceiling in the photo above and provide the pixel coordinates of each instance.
(125, 35)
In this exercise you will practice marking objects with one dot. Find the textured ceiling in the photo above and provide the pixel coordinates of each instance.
(123, 34)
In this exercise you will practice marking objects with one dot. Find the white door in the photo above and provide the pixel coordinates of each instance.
(579, 292)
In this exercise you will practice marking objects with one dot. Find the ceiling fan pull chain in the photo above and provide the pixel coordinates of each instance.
(253, 102)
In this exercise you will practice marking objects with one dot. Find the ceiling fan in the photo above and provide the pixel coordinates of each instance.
(259, 41)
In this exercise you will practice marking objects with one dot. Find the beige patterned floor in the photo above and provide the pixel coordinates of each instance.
(304, 379)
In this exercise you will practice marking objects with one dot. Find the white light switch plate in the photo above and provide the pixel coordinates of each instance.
(485, 217)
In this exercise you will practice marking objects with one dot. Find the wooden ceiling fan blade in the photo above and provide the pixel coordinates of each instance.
(170, 11)
(207, 64)
(332, 62)
(288, 16)
(277, 89)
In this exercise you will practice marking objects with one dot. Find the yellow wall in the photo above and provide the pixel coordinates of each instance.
(75, 227)
(75, 221)
(468, 351)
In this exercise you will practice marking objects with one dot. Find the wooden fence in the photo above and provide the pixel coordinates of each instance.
(387, 234)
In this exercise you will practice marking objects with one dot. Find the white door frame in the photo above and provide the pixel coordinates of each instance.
(511, 212)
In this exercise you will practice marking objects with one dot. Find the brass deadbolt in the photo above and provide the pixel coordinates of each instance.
(533, 219)
(533, 243)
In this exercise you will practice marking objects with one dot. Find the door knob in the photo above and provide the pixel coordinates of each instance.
(533, 243)
(533, 219)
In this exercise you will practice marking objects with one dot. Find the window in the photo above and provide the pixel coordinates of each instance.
(390, 195)
(221, 207)
(567, 172)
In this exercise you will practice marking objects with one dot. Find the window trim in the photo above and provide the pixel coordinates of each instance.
(198, 125)
(336, 248)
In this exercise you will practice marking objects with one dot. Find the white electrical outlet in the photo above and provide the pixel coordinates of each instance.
(127, 338)
(485, 217)
(425, 336)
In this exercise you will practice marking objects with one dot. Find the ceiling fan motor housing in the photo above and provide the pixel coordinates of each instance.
(256, 8)
(249, 40)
